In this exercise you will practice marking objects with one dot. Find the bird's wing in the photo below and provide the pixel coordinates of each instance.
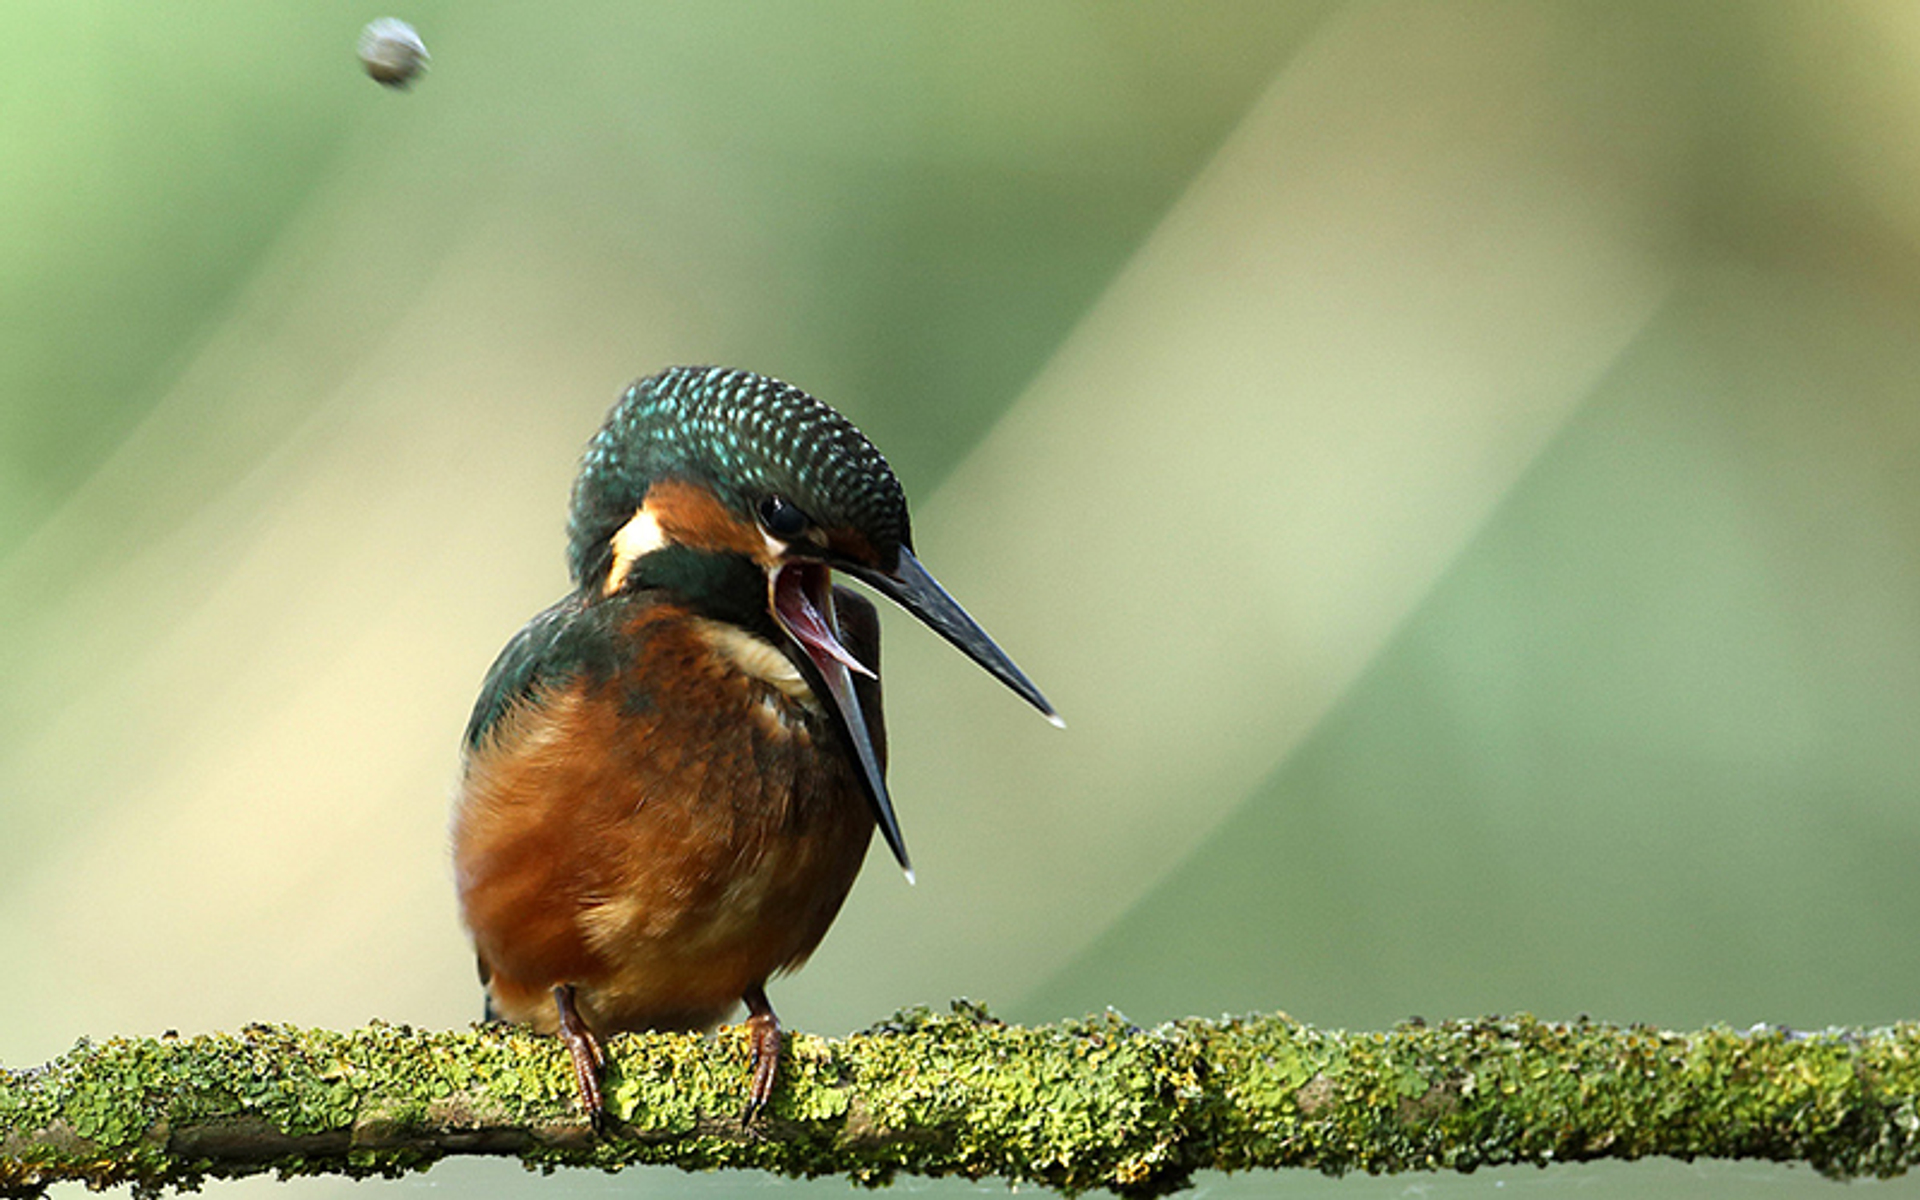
(556, 646)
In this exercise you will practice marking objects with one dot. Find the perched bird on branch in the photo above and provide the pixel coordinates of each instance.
(672, 775)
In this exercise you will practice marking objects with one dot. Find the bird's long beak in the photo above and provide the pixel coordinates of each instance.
(909, 586)
(803, 605)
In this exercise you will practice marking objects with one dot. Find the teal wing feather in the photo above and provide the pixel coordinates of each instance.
(561, 644)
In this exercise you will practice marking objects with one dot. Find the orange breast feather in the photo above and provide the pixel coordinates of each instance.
(663, 839)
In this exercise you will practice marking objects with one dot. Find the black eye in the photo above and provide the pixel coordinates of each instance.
(782, 519)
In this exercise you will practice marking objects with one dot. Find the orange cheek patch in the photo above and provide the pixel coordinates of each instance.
(690, 515)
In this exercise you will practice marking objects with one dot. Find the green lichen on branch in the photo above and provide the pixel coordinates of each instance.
(1080, 1105)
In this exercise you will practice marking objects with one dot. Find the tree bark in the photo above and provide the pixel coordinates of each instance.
(1096, 1103)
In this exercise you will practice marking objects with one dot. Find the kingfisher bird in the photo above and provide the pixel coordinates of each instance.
(671, 776)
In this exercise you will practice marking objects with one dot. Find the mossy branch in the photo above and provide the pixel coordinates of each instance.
(1084, 1104)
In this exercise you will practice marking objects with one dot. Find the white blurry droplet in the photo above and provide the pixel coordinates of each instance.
(392, 52)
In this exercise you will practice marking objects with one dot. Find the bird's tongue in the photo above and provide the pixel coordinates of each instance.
(803, 600)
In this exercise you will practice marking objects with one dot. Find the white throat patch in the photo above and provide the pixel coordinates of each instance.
(759, 659)
(639, 537)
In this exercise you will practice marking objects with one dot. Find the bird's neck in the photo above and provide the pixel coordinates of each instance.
(724, 586)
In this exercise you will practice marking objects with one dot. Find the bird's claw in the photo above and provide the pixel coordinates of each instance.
(589, 1059)
(763, 1038)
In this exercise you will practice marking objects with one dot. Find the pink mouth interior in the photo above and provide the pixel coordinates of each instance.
(803, 601)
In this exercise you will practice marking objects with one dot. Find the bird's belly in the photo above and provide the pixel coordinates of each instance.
(685, 960)
(662, 881)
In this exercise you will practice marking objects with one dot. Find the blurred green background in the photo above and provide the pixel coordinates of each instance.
(1452, 464)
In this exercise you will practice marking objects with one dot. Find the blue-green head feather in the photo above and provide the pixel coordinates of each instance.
(744, 436)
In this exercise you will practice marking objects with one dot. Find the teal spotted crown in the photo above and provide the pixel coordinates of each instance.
(746, 437)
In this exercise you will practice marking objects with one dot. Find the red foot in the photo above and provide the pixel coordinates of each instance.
(589, 1060)
(763, 1035)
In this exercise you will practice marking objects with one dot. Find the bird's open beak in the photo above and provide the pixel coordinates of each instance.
(803, 604)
